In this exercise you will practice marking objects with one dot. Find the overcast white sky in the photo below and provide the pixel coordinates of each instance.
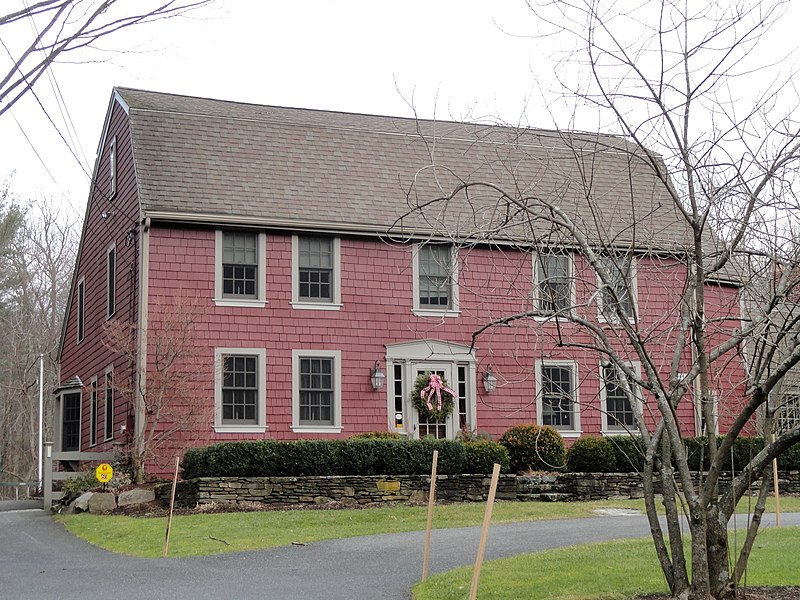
(454, 59)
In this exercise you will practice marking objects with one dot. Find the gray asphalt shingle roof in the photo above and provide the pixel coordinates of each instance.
(246, 163)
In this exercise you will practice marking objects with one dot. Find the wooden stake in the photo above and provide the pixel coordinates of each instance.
(487, 517)
(431, 501)
(171, 505)
(775, 488)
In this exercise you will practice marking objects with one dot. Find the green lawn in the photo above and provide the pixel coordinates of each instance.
(203, 534)
(611, 570)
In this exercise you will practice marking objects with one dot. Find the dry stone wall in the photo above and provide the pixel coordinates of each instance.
(410, 488)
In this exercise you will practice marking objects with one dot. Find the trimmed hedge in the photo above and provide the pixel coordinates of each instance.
(365, 456)
(533, 447)
(591, 454)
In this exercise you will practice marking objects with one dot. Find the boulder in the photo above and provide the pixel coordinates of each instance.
(102, 502)
(136, 496)
(81, 503)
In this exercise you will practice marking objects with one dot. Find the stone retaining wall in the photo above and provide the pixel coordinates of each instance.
(405, 488)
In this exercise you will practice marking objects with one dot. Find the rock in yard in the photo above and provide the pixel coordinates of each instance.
(81, 503)
(102, 503)
(136, 496)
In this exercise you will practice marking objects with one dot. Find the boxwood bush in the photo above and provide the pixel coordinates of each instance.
(354, 456)
(534, 448)
(591, 454)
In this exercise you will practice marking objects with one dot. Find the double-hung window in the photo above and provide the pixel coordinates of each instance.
(112, 169)
(109, 408)
(240, 270)
(788, 413)
(316, 391)
(618, 404)
(619, 296)
(111, 281)
(553, 288)
(240, 390)
(316, 272)
(435, 279)
(81, 310)
(557, 399)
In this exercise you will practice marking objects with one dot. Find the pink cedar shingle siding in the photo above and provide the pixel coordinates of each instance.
(91, 358)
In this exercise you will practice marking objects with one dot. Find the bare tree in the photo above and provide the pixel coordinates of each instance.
(37, 266)
(54, 28)
(674, 78)
(172, 408)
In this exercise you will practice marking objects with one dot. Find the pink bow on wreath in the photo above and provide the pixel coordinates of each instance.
(437, 386)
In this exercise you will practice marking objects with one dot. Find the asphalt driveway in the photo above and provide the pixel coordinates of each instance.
(39, 559)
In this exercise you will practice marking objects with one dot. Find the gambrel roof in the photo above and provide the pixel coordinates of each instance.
(214, 161)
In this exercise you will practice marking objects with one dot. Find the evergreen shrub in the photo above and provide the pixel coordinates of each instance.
(533, 447)
(591, 454)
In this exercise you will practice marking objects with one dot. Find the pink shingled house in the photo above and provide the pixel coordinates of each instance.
(316, 297)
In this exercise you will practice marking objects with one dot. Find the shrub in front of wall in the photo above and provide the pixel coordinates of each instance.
(591, 454)
(482, 456)
(629, 452)
(534, 447)
(374, 456)
(790, 460)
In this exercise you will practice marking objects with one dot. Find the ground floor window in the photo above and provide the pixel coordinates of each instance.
(557, 397)
(240, 390)
(316, 391)
(71, 422)
(788, 414)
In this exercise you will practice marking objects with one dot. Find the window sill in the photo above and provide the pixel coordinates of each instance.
(242, 303)
(570, 434)
(316, 305)
(312, 429)
(240, 428)
(561, 318)
(424, 312)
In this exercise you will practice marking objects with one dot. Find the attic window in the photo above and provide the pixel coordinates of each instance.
(112, 168)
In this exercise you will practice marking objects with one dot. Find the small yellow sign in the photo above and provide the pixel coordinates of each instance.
(104, 473)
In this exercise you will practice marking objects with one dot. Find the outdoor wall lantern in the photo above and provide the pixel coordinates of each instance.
(489, 381)
(377, 377)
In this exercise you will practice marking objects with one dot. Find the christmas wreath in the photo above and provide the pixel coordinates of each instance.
(432, 398)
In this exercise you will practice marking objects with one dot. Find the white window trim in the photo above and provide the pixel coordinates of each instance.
(454, 310)
(635, 391)
(336, 301)
(601, 317)
(80, 311)
(109, 372)
(536, 280)
(111, 287)
(112, 168)
(261, 426)
(576, 410)
(261, 300)
(790, 391)
(94, 411)
(336, 355)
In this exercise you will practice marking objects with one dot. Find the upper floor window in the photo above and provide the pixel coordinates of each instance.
(435, 279)
(240, 277)
(111, 281)
(316, 272)
(617, 300)
(557, 399)
(81, 322)
(617, 403)
(553, 287)
(240, 390)
(112, 169)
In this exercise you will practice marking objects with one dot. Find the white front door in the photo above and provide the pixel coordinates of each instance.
(438, 429)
